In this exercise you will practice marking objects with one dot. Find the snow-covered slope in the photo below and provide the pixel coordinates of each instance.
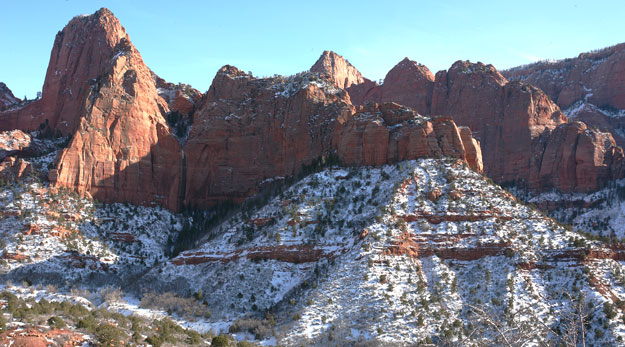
(416, 252)
(420, 251)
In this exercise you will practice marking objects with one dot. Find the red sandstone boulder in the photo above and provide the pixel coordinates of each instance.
(13, 142)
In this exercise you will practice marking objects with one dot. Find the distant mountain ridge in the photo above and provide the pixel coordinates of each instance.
(135, 138)
(525, 138)
(589, 87)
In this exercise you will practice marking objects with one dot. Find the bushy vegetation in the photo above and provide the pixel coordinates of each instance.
(105, 327)
(174, 304)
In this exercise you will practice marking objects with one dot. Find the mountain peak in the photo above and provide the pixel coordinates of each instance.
(341, 72)
(412, 67)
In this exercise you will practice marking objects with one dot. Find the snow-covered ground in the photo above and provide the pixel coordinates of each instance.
(420, 251)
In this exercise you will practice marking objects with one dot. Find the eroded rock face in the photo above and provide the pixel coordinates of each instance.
(81, 53)
(408, 83)
(250, 130)
(511, 120)
(13, 142)
(181, 98)
(245, 130)
(505, 117)
(122, 149)
(597, 77)
(589, 88)
(253, 129)
(379, 134)
(13, 169)
(342, 73)
(575, 157)
(6, 97)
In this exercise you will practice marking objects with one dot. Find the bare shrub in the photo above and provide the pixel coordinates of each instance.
(172, 303)
(111, 295)
(260, 328)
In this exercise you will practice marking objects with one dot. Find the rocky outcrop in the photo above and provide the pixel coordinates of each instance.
(596, 77)
(250, 130)
(38, 337)
(387, 133)
(13, 142)
(181, 98)
(589, 88)
(408, 83)
(122, 150)
(505, 117)
(341, 72)
(253, 129)
(521, 130)
(81, 53)
(578, 159)
(7, 98)
(513, 122)
(13, 169)
(473, 151)
(127, 146)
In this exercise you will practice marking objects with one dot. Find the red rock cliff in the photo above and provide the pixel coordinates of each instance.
(122, 149)
(379, 134)
(512, 120)
(597, 77)
(81, 53)
(590, 87)
(342, 73)
(245, 130)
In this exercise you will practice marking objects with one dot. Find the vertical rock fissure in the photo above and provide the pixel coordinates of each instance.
(182, 191)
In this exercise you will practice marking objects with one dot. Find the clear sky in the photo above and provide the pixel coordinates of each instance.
(187, 41)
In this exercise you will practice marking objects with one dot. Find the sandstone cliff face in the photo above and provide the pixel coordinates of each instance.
(387, 133)
(81, 53)
(407, 83)
(576, 158)
(181, 98)
(250, 130)
(589, 88)
(342, 73)
(513, 122)
(505, 117)
(122, 149)
(253, 129)
(245, 130)
(6, 97)
(597, 77)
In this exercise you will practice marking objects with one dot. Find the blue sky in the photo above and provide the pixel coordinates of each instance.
(187, 41)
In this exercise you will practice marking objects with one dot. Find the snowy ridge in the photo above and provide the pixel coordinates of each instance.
(423, 251)
(434, 253)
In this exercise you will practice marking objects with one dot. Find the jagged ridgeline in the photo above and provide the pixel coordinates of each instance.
(320, 208)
